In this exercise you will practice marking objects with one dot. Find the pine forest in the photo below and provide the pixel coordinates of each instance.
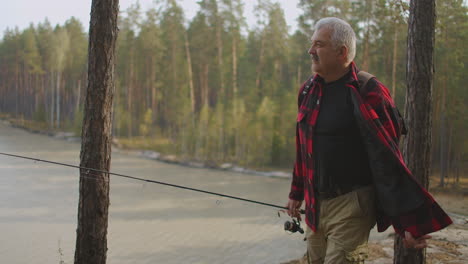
(215, 90)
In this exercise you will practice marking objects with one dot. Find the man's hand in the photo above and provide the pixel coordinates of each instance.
(410, 242)
(293, 208)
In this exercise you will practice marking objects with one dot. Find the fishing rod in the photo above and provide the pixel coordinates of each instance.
(148, 180)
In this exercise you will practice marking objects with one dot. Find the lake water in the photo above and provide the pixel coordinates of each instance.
(148, 223)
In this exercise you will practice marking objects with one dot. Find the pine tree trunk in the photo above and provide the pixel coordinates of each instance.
(52, 97)
(260, 65)
(222, 97)
(444, 122)
(418, 107)
(91, 239)
(443, 148)
(299, 75)
(449, 152)
(365, 55)
(154, 91)
(17, 87)
(57, 100)
(219, 44)
(395, 58)
(206, 88)
(78, 97)
(130, 95)
(190, 72)
(234, 66)
(235, 92)
(457, 167)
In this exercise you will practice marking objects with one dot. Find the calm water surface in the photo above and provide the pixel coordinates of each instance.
(148, 223)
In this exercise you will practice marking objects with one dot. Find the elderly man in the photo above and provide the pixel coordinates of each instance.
(348, 167)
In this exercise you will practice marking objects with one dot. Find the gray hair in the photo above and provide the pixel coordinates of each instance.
(341, 34)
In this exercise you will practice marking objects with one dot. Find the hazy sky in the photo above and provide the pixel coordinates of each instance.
(21, 13)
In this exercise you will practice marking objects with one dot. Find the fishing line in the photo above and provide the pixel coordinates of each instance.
(147, 180)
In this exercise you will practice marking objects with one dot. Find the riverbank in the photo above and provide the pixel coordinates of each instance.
(117, 145)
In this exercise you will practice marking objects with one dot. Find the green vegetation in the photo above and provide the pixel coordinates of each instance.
(213, 90)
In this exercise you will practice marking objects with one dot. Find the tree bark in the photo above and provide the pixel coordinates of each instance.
(91, 240)
(418, 106)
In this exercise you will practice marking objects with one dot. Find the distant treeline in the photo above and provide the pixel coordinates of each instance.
(211, 89)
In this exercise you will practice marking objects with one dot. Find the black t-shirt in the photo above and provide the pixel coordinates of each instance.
(340, 157)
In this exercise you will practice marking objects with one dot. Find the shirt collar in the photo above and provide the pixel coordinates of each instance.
(351, 76)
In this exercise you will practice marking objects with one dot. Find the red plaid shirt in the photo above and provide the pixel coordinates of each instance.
(402, 202)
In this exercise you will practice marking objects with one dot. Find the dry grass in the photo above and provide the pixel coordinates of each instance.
(376, 252)
(447, 252)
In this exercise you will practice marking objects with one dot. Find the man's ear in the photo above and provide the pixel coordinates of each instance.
(343, 52)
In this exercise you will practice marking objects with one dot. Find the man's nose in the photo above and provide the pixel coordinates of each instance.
(311, 50)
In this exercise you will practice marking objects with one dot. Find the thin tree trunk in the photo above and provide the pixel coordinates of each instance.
(17, 87)
(457, 167)
(234, 66)
(395, 51)
(365, 54)
(235, 92)
(444, 122)
(130, 95)
(222, 97)
(154, 90)
(443, 147)
(91, 238)
(37, 92)
(418, 107)
(52, 97)
(299, 75)
(190, 72)
(57, 100)
(174, 61)
(78, 97)
(449, 152)
(260, 65)
(44, 96)
(219, 44)
(206, 88)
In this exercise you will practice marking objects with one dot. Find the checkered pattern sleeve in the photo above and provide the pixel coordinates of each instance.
(425, 219)
(297, 183)
(429, 217)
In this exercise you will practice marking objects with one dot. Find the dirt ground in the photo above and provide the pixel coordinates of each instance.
(448, 246)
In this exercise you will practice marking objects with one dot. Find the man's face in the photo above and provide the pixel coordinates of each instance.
(325, 57)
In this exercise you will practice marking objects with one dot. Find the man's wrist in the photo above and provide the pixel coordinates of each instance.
(297, 196)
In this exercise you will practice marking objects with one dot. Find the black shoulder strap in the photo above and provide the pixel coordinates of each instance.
(363, 78)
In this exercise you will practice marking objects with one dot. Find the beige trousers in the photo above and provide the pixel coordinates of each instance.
(343, 231)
